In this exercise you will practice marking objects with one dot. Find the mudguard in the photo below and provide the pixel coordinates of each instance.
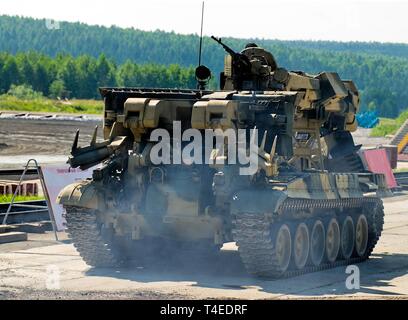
(80, 194)
(257, 201)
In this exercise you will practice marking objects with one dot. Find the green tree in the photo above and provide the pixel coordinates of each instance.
(42, 80)
(57, 89)
(105, 72)
(69, 75)
(10, 74)
(24, 92)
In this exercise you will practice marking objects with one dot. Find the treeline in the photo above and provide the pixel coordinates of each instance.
(379, 70)
(390, 49)
(80, 77)
(23, 34)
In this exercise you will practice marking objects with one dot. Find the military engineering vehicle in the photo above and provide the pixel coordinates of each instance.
(308, 204)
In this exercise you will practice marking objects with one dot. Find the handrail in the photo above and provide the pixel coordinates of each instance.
(12, 204)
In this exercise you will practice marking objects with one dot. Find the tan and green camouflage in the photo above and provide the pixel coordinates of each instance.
(309, 178)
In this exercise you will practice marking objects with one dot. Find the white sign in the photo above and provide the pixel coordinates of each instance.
(56, 177)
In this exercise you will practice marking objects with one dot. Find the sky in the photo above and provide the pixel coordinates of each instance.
(339, 20)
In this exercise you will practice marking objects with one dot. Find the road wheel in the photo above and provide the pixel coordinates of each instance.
(283, 245)
(361, 235)
(332, 240)
(317, 243)
(347, 238)
(301, 246)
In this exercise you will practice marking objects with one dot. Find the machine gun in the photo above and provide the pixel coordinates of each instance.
(226, 48)
(241, 66)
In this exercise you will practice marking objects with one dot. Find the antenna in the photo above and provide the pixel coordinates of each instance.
(202, 73)
(201, 34)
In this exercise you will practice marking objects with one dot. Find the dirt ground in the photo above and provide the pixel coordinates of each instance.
(362, 136)
(27, 269)
(46, 141)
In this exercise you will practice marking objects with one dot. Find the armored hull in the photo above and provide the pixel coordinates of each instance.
(305, 226)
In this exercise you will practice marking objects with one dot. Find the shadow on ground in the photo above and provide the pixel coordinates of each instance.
(224, 270)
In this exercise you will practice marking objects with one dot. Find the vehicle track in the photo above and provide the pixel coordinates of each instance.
(85, 231)
(254, 235)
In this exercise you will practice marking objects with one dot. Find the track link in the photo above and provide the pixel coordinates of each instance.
(254, 235)
(85, 232)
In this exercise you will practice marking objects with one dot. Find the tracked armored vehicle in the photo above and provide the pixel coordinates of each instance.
(302, 202)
